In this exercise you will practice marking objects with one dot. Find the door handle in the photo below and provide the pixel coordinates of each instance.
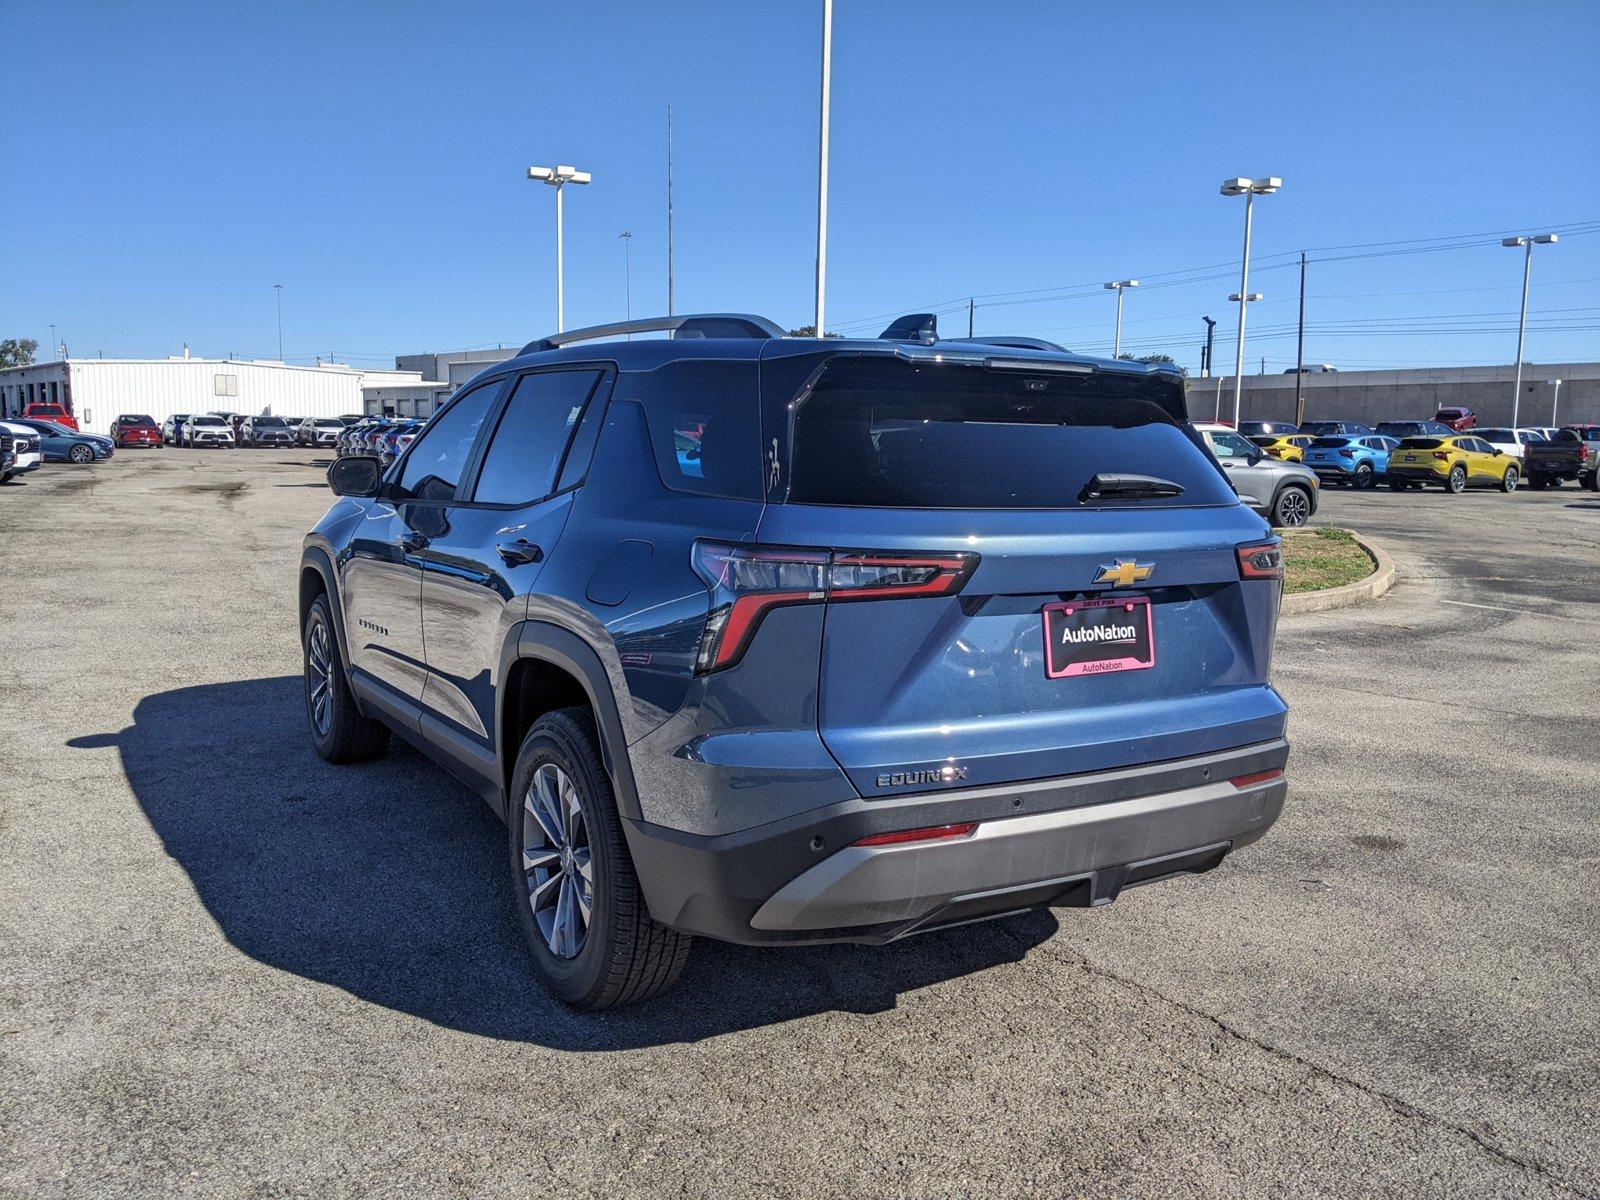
(412, 542)
(520, 552)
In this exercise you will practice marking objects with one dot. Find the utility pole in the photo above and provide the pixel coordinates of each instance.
(1300, 350)
(971, 309)
(669, 210)
(627, 276)
(279, 288)
(822, 166)
(1205, 355)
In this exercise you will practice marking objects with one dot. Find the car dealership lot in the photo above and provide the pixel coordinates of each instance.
(226, 967)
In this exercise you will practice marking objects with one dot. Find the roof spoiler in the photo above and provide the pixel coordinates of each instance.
(914, 327)
(689, 325)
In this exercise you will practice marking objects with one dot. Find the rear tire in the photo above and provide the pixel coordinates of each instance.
(1363, 477)
(1594, 482)
(1508, 481)
(1397, 485)
(568, 857)
(1457, 481)
(1537, 482)
(339, 733)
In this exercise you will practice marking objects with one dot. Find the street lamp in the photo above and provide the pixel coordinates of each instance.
(1249, 189)
(1542, 239)
(558, 177)
(1555, 398)
(1120, 286)
(822, 165)
(279, 288)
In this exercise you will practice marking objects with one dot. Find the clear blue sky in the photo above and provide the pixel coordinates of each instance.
(167, 164)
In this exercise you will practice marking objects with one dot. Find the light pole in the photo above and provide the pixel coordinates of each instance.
(52, 343)
(278, 287)
(1542, 239)
(558, 177)
(1119, 286)
(1205, 357)
(1555, 398)
(822, 163)
(1249, 189)
(627, 275)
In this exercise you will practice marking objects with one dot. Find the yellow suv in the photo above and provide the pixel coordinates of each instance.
(1289, 447)
(1455, 463)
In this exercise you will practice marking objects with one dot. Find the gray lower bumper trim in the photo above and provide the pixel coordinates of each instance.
(887, 884)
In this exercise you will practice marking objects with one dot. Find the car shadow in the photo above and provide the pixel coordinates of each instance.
(391, 881)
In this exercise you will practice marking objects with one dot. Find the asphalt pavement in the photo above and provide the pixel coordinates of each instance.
(229, 969)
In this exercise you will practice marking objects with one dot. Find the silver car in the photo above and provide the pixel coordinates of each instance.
(1283, 492)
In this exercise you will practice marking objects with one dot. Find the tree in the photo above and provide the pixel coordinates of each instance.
(809, 331)
(17, 352)
(1155, 358)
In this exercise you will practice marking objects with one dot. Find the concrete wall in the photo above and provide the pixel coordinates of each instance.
(1374, 396)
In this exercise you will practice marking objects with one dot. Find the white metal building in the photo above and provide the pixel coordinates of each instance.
(96, 390)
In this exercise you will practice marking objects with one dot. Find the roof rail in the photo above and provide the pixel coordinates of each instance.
(688, 325)
(1013, 341)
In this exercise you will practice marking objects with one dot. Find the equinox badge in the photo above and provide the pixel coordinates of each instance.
(1124, 573)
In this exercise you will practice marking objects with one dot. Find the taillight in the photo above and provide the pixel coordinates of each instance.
(746, 582)
(1263, 561)
(1346, 454)
(1442, 455)
(929, 833)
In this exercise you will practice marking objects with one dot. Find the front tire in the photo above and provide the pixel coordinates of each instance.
(1292, 508)
(1508, 481)
(1456, 483)
(81, 454)
(339, 733)
(579, 904)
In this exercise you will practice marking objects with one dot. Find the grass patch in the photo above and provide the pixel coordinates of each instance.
(1314, 559)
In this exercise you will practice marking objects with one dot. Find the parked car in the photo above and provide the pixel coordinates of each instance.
(353, 439)
(1590, 434)
(1457, 418)
(1336, 428)
(1357, 461)
(265, 431)
(172, 429)
(1545, 431)
(1289, 448)
(1508, 440)
(1313, 369)
(208, 430)
(8, 454)
(319, 431)
(294, 425)
(394, 440)
(1399, 430)
(57, 443)
(27, 455)
(1550, 462)
(1255, 429)
(51, 412)
(1455, 463)
(639, 678)
(1284, 492)
(135, 429)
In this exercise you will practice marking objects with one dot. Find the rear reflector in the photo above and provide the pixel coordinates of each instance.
(1244, 781)
(930, 833)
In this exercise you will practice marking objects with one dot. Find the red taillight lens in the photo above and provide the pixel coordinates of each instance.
(1442, 455)
(1347, 454)
(747, 581)
(1263, 561)
(1244, 781)
(930, 833)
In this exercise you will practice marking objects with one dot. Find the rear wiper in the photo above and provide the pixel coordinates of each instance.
(1127, 487)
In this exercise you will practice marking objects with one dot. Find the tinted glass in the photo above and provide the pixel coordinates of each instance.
(438, 457)
(1329, 443)
(1231, 445)
(1421, 444)
(1496, 435)
(705, 424)
(525, 454)
(263, 422)
(881, 433)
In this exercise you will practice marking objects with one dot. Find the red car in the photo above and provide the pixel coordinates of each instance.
(134, 429)
(1459, 419)
(51, 412)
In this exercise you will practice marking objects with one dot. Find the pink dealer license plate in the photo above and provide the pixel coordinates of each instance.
(1096, 637)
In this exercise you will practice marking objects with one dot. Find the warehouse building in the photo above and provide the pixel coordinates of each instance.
(97, 390)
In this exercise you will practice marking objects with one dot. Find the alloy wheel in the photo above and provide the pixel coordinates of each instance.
(80, 454)
(557, 866)
(1293, 509)
(319, 678)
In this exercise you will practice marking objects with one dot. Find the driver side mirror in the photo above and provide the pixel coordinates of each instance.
(359, 475)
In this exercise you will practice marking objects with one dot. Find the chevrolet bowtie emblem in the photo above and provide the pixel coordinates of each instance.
(1123, 573)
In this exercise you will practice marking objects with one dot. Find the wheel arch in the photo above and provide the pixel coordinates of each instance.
(318, 578)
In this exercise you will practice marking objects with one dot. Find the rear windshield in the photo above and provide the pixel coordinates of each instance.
(1329, 443)
(134, 420)
(1421, 444)
(1495, 435)
(882, 433)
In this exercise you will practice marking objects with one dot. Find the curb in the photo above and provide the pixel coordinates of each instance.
(1359, 592)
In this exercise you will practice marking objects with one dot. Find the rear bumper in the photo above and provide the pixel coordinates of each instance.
(1424, 474)
(1070, 841)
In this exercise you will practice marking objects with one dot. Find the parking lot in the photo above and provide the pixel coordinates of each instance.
(228, 968)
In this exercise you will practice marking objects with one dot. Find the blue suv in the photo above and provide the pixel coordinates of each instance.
(787, 640)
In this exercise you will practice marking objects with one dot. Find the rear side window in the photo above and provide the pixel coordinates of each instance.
(882, 433)
(525, 454)
(705, 424)
(1329, 443)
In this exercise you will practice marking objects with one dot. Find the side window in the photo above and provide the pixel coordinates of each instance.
(525, 454)
(705, 424)
(1231, 445)
(439, 456)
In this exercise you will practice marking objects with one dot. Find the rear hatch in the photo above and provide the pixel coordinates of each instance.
(1069, 488)
(1330, 453)
(1416, 453)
